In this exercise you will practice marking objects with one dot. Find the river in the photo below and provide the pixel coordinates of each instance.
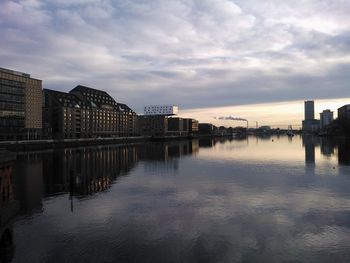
(255, 199)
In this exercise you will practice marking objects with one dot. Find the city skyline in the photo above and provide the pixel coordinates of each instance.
(276, 115)
(205, 56)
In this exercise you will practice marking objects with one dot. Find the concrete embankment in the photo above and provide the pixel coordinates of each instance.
(35, 145)
(67, 143)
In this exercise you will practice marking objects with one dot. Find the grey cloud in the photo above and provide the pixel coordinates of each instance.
(193, 53)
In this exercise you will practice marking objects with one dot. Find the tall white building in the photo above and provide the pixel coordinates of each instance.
(161, 110)
(326, 118)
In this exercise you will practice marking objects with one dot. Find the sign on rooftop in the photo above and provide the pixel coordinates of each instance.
(161, 110)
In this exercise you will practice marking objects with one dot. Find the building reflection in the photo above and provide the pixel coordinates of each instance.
(328, 147)
(309, 143)
(87, 171)
(84, 171)
(344, 152)
(28, 180)
(9, 207)
(164, 157)
(206, 142)
(81, 172)
(341, 146)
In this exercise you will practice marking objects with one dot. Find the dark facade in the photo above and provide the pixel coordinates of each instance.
(20, 106)
(63, 116)
(182, 126)
(161, 125)
(86, 113)
(176, 126)
(193, 126)
(311, 126)
(152, 125)
(344, 112)
(205, 128)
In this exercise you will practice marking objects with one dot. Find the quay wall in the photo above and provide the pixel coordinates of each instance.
(37, 145)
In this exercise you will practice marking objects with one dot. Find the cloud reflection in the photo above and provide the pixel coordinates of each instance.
(214, 207)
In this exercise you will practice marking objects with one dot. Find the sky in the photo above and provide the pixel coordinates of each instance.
(252, 59)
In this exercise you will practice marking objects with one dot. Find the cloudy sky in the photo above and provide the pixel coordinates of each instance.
(204, 55)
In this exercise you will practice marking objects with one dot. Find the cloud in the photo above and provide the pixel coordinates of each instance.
(191, 53)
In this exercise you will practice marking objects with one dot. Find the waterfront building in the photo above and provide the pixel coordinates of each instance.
(62, 114)
(186, 125)
(182, 126)
(176, 126)
(86, 113)
(326, 118)
(152, 125)
(191, 125)
(344, 112)
(310, 124)
(20, 106)
(167, 110)
(206, 128)
(155, 121)
(109, 118)
(161, 125)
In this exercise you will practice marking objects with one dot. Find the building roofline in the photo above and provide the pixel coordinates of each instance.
(18, 73)
(86, 87)
(62, 93)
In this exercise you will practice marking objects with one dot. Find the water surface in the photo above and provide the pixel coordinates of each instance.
(270, 199)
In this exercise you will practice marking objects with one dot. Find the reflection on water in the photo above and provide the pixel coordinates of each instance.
(309, 145)
(257, 199)
(8, 208)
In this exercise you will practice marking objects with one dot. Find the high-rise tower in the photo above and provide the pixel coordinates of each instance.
(309, 110)
(310, 125)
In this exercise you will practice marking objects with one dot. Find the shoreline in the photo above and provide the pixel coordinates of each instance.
(51, 144)
(38, 145)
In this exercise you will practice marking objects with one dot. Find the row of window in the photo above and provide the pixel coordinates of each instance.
(11, 122)
(5, 113)
(110, 127)
(11, 90)
(95, 130)
(97, 96)
(11, 106)
(11, 83)
(98, 112)
(96, 119)
(11, 98)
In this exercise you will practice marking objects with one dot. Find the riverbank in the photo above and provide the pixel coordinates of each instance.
(33, 145)
(37, 145)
